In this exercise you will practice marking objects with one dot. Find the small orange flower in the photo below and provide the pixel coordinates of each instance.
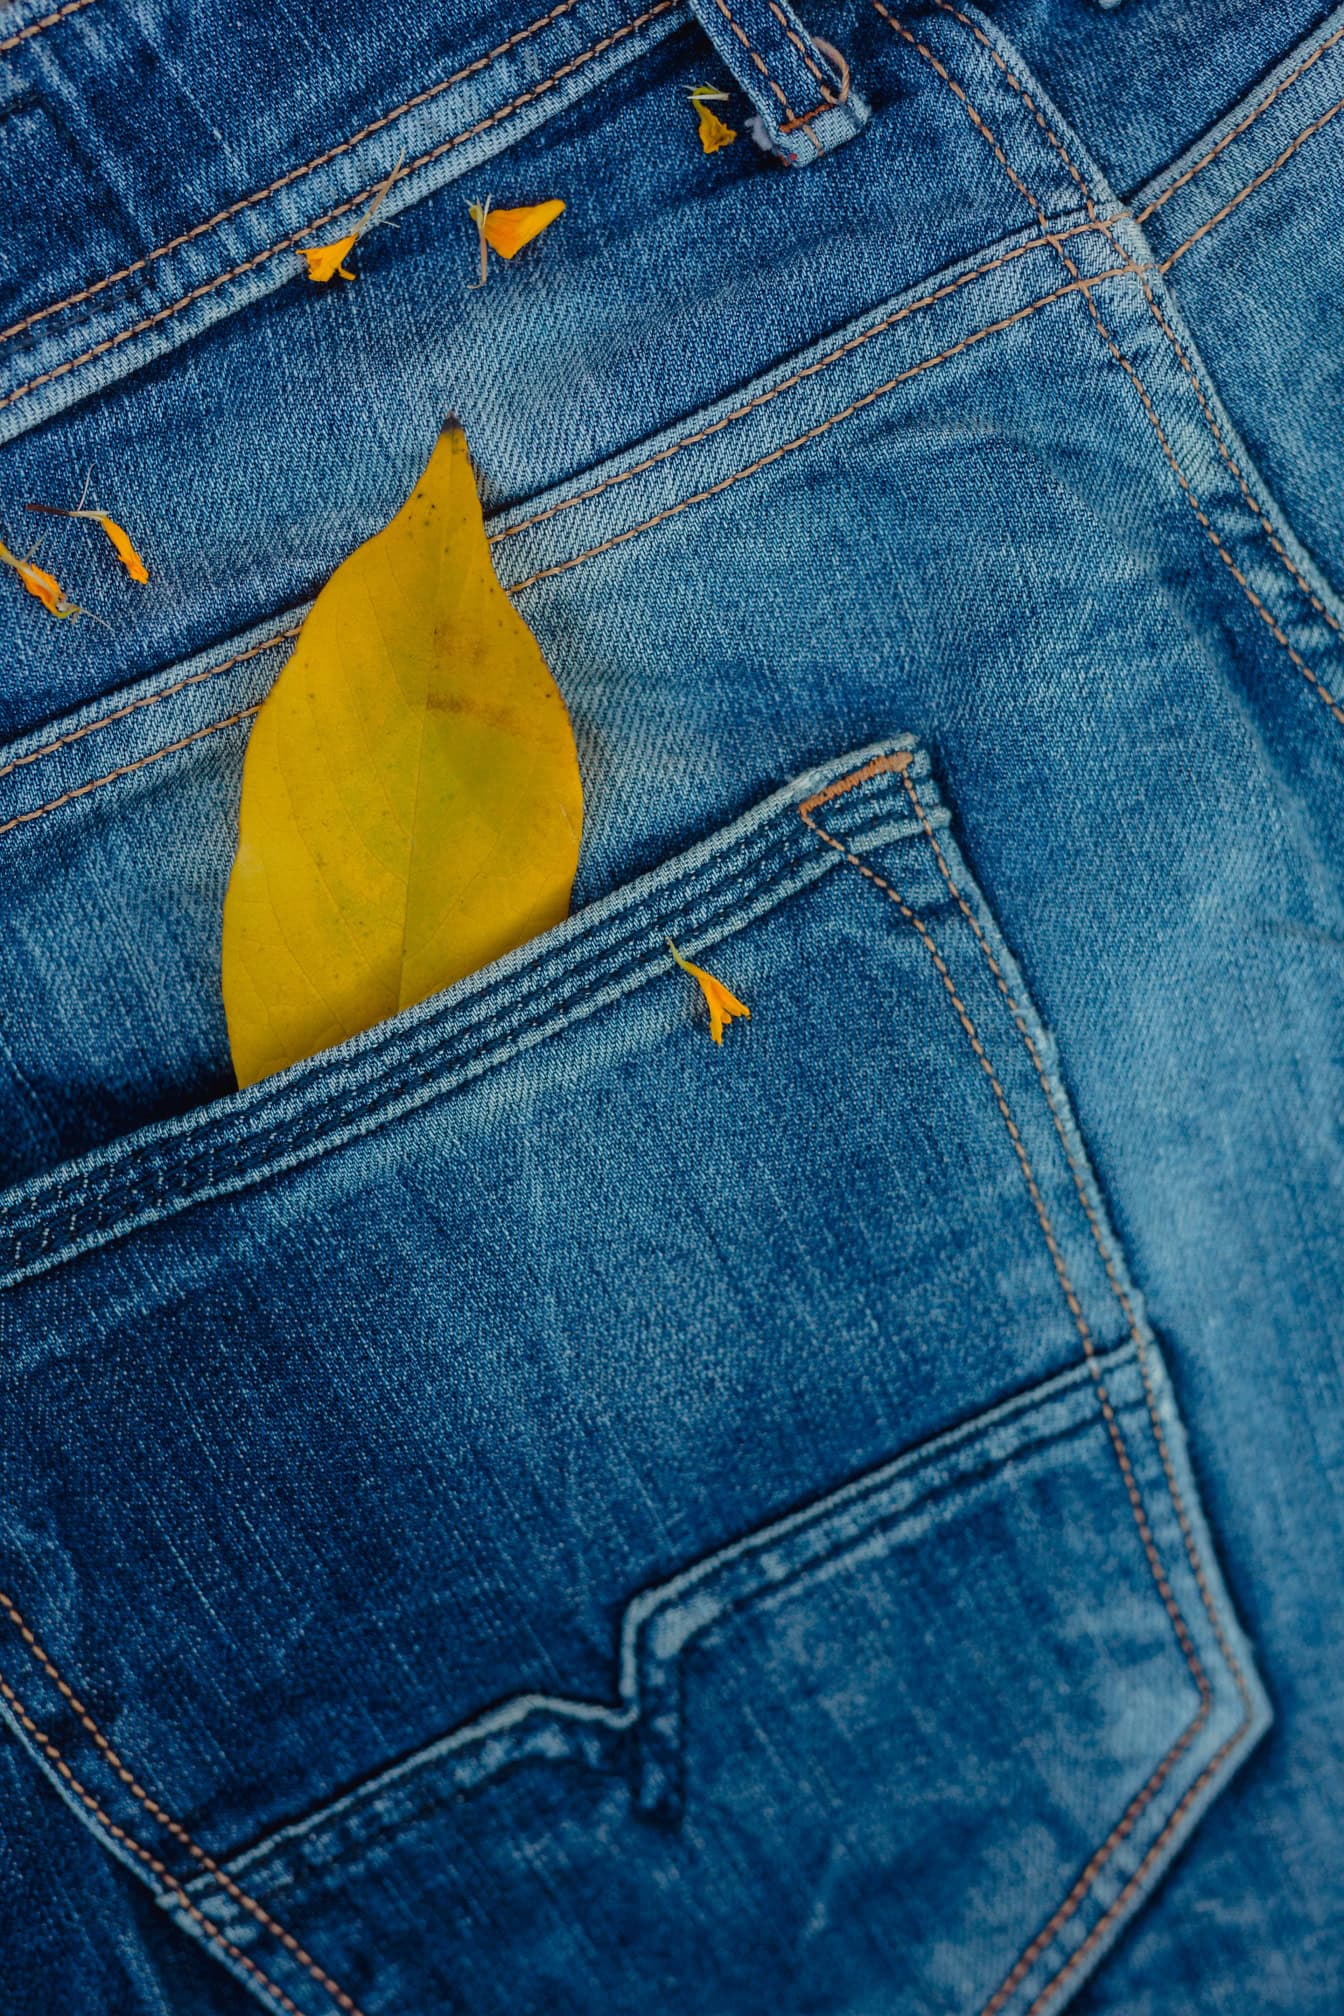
(38, 582)
(507, 231)
(723, 1007)
(327, 262)
(120, 537)
(713, 132)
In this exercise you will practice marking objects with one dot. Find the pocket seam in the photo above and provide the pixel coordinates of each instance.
(899, 763)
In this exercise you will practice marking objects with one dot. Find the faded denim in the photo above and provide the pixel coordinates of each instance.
(530, 1511)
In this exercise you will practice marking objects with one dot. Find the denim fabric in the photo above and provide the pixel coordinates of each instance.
(532, 1511)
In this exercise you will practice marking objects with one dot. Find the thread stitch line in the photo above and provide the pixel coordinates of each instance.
(165, 1820)
(1235, 132)
(1307, 133)
(338, 210)
(805, 812)
(804, 52)
(785, 385)
(1319, 688)
(291, 176)
(47, 21)
(128, 769)
(1102, 1244)
(722, 6)
(1066, 1909)
(1173, 340)
(172, 1887)
(149, 700)
(1143, 1798)
(813, 433)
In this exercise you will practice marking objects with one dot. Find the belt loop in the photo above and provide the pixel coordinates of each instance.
(799, 85)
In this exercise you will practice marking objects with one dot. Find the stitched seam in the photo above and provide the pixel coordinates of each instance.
(1101, 1242)
(1142, 1799)
(1266, 524)
(165, 1820)
(1256, 182)
(540, 1009)
(722, 6)
(47, 21)
(340, 209)
(812, 433)
(1113, 1910)
(1236, 131)
(1319, 688)
(127, 769)
(291, 176)
(803, 51)
(149, 700)
(171, 1886)
(785, 385)
(805, 811)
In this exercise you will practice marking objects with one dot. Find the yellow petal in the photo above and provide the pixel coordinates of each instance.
(126, 552)
(507, 231)
(38, 582)
(713, 133)
(324, 262)
(411, 803)
(723, 1006)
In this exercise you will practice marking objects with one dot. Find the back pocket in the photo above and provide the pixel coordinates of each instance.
(654, 1523)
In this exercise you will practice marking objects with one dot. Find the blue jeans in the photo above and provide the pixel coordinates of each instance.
(531, 1511)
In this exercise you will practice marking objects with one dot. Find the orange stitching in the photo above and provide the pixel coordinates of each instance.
(1117, 1905)
(127, 769)
(1266, 524)
(1319, 688)
(1237, 131)
(812, 433)
(1070, 1903)
(47, 21)
(803, 51)
(173, 1888)
(148, 700)
(1099, 1240)
(722, 6)
(900, 763)
(293, 175)
(165, 1820)
(1165, 265)
(785, 385)
(339, 209)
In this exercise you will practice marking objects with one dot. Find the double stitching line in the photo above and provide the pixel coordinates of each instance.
(1317, 685)
(281, 181)
(900, 763)
(759, 61)
(340, 209)
(149, 700)
(854, 343)
(47, 21)
(1016, 84)
(172, 1887)
(1236, 132)
(1255, 183)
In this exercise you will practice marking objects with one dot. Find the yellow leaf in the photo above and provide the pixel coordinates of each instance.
(507, 231)
(723, 1007)
(713, 132)
(38, 582)
(411, 803)
(325, 262)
